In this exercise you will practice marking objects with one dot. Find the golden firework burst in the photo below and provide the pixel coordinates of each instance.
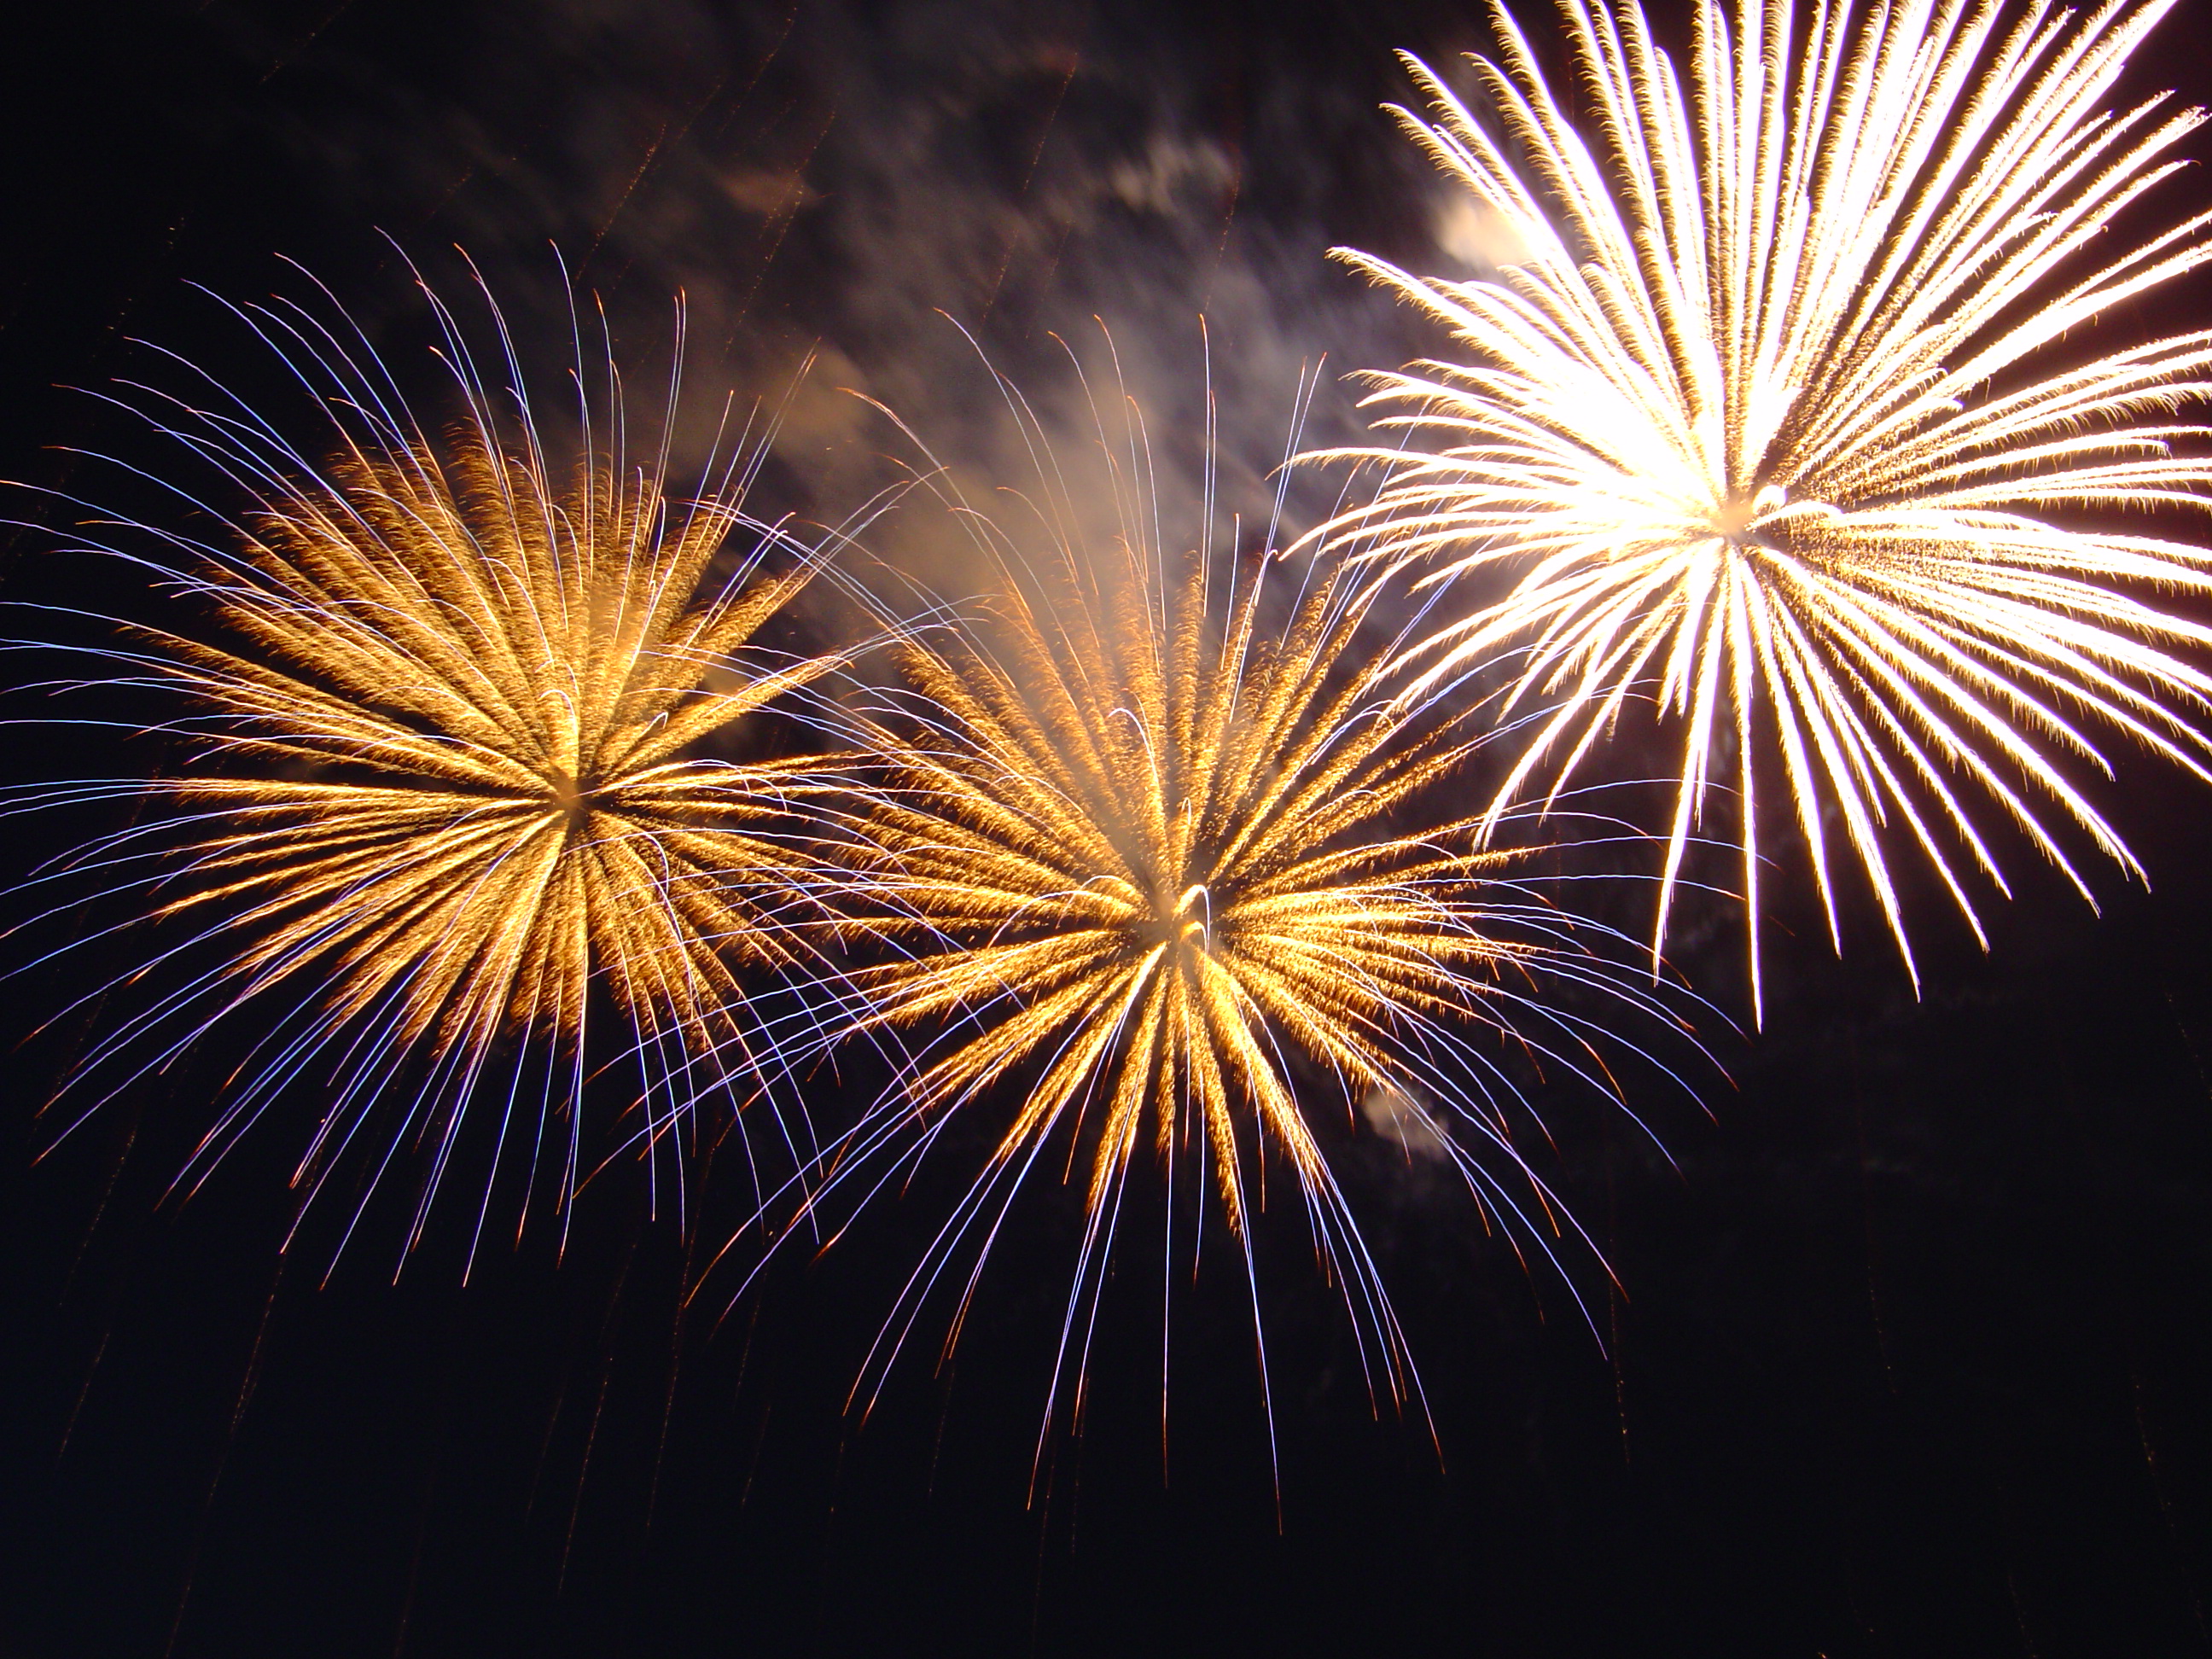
(1144, 850)
(1778, 410)
(447, 705)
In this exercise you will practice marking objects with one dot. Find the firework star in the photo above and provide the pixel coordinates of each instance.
(1142, 851)
(443, 694)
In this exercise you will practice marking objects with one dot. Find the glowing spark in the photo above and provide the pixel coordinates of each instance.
(1769, 407)
(446, 711)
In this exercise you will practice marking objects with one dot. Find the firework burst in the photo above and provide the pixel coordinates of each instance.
(1144, 854)
(1772, 414)
(442, 786)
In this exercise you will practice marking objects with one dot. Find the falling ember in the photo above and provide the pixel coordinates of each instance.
(1773, 418)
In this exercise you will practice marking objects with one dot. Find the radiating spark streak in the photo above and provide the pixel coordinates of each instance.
(446, 694)
(1763, 417)
(1126, 867)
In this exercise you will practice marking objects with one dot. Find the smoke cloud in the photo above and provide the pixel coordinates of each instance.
(853, 180)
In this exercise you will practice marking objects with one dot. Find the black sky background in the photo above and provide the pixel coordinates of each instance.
(1916, 1342)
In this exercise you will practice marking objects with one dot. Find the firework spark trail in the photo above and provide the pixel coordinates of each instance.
(1130, 858)
(1767, 405)
(444, 780)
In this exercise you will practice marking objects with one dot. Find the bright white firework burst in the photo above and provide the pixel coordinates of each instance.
(1779, 406)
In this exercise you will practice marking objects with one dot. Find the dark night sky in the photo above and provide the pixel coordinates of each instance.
(1916, 1343)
